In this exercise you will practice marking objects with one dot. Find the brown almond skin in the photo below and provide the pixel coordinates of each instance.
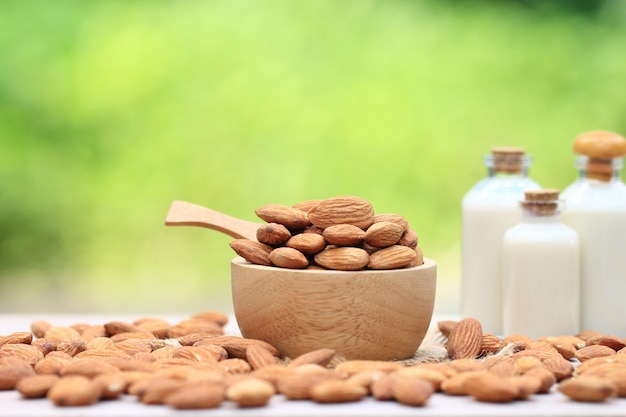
(383, 234)
(614, 342)
(250, 392)
(285, 257)
(337, 391)
(253, 252)
(36, 386)
(73, 391)
(409, 238)
(593, 351)
(487, 387)
(465, 339)
(342, 209)
(344, 235)
(343, 258)
(392, 257)
(292, 218)
(587, 389)
(273, 234)
(307, 243)
(393, 218)
(17, 337)
(194, 396)
(411, 391)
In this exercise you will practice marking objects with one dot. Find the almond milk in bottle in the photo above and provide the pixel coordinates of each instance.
(488, 210)
(541, 271)
(595, 206)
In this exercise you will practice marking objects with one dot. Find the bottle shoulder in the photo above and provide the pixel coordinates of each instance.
(500, 187)
(595, 194)
(541, 229)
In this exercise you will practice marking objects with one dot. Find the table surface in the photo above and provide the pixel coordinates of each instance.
(439, 405)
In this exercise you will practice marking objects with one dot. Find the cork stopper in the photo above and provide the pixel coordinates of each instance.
(508, 159)
(600, 147)
(541, 202)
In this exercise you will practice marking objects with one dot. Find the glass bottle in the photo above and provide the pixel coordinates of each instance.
(541, 271)
(488, 210)
(595, 206)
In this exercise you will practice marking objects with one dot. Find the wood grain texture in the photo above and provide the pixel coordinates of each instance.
(381, 315)
(182, 213)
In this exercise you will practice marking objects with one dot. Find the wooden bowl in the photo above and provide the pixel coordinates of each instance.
(378, 315)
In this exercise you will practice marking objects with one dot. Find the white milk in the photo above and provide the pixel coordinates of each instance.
(597, 211)
(488, 210)
(541, 270)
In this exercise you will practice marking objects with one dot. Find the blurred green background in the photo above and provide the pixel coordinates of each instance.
(109, 110)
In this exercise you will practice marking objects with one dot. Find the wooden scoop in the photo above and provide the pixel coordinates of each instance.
(182, 213)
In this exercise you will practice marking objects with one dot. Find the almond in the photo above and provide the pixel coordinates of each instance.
(87, 367)
(189, 326)
(39, 328)
(235, 366)
(587, 388)
(614, 342)
(409, 238)
(12, 370)
(285, 257)
(343, 258)
(298, 385)
(272, 234)
(383, 234)
(306, 205)
(393, 218)
(446, 326)
(344, 235)
(27, 353)
(157, 327)
(36, 386)
(487, 387)
(342, 209)
(111, 386)
(17, 337)
(354, 366)
(392, 257)
(593, 351)
(237, 347)
(290, 217)
(319, 356)
(72, 346)
(491, 344)
(465, 339)
(252, 251)
(259, 357)
(250, 392)
(337, 391)
(57, 334)
(194, 396)
(73, 391)
(307, 243)
(411, 391)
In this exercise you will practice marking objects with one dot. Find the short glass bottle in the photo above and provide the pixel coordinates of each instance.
(541, 270)
(488, 210)
(596, 209)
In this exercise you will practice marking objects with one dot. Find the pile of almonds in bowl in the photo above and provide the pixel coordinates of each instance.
(338, 233)
(192, 364)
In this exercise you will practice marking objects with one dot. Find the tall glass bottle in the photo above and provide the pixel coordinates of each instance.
(541, 271)
(595, 206)
(488, 210)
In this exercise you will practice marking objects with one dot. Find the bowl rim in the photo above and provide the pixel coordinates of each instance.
(241, 262)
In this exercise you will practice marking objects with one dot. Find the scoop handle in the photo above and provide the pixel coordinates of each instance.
(182, 213)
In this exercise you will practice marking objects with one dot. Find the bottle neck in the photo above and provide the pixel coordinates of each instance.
(507, 165)
(537, 211)
(605, 170)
